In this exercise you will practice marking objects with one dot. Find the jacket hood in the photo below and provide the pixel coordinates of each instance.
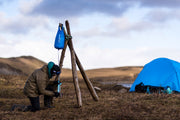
(50, 65)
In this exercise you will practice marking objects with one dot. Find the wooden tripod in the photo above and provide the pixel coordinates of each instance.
(75, 60)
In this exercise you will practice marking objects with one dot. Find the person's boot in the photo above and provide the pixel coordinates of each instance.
(22, 108)
(48, 101)
(27, 108)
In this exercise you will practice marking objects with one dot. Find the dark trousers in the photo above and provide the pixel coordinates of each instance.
(48, 100)
(35, 105)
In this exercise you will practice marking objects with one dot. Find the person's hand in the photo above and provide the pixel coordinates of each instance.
(56, 94)
(56, 82)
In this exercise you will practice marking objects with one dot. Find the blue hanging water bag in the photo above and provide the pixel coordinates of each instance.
(60, 39)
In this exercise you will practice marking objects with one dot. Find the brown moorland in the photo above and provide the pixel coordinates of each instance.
(112, 105)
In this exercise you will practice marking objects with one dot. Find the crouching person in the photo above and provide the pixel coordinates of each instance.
(39, 83)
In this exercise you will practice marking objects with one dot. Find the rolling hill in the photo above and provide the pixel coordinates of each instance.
(25, 65)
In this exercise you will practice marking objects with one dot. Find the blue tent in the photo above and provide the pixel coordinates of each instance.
(161, 72)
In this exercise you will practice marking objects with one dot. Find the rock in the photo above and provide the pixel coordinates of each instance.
(120, 89)
(97, 88)
(123, 90)
(117, 87)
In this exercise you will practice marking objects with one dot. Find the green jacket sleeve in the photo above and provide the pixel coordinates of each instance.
(41, 84)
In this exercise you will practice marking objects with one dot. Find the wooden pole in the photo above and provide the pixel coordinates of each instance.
(74, 70)
(63, 51)
(86, 79)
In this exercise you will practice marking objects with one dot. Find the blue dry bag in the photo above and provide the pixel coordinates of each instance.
(60, 38)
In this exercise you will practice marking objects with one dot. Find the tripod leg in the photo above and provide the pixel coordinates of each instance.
(86, 79)
(74, 70)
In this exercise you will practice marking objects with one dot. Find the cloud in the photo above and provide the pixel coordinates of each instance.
(40, 49)
(94, 57)
(3, 41)
(118, 27)
(15, 21)
(66, 8)
(160, 3)
(158, 11)
(21, 24)
(27, 6)
(124, 25)
(163, 15)
(72, 8)
(5, 1)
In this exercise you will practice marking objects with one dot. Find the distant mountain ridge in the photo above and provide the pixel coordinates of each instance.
(23, 65)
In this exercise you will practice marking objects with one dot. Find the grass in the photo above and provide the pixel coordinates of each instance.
(112, 105)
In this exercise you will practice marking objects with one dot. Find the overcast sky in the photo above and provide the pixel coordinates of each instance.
(106, 33)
